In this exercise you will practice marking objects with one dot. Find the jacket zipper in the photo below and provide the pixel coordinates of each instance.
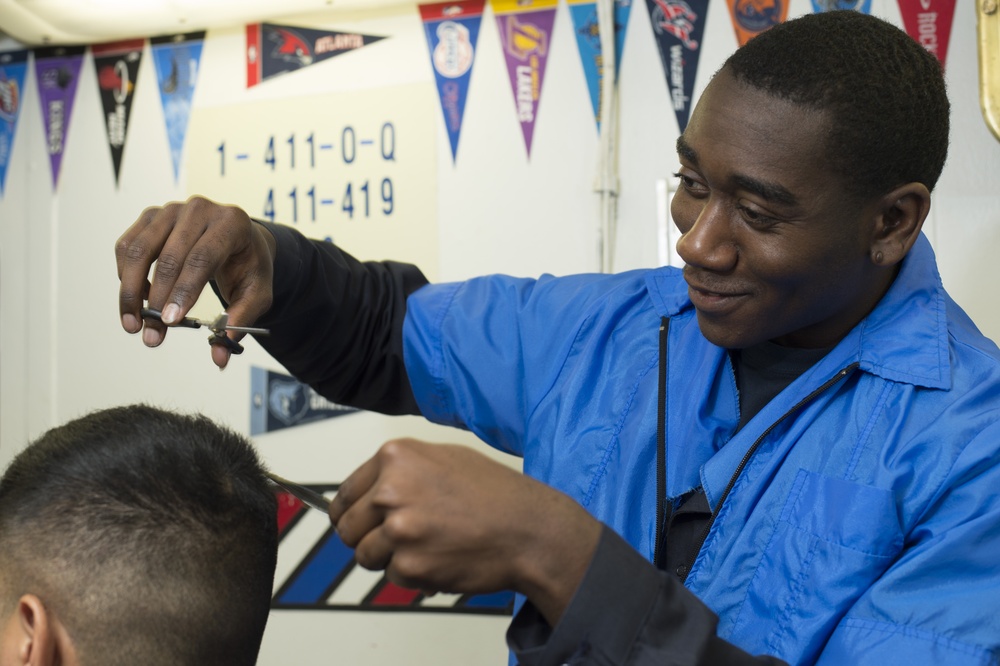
(746, 457)
(661, 444)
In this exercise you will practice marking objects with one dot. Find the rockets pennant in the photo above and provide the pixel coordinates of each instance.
(678, 27)
(752, 17)
(863, 6)
(117, 66)
(13, 67)
(57, 70)
(273, 50)
(326, 577)
(588, 40)
(525, 33)
(929, 22)
(177, 59)
(452, 29)
(280, 401)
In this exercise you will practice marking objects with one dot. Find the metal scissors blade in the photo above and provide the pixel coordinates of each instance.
(217, 325)
(308, 497)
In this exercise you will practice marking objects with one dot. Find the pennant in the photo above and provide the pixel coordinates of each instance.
(820, 6)
(588, 41)
(317, 572)
(929, 22)
(452, 29)
(279, 401)
(678, 27)
(273, 50)
(57, 70)
(117, 66)
(752, 17)
(525, 33)
(177, 59)
(13, 68)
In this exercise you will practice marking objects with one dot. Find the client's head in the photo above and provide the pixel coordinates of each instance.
(135, 535)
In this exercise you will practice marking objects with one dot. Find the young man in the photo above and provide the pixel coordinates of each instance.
(133, 536)
(790, 449)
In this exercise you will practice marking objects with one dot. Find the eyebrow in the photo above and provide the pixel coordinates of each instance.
(772, 192)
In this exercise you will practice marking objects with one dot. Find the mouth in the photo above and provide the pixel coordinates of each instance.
(714, 302)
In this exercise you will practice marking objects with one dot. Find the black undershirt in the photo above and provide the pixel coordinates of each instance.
(762, 372)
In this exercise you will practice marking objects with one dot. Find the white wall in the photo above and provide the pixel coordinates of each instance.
(62, 351)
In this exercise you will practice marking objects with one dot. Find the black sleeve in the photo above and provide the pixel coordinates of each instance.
(337, 323)
(626, 612)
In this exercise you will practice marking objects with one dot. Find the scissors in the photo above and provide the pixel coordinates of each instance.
(218, 326)
(310, 498)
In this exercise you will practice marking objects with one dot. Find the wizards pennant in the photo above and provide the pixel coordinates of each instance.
(273, 50)
(525, 33)
(317, 571)
(588, 41)
(13, 67)
(280, 401)
(678, 27)
(177, 59)
(57, 70)
(452, 29)
(117, 66)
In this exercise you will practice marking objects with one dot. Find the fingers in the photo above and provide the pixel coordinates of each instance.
(186, 245)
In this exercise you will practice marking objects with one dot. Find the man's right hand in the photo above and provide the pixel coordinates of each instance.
(191, 243)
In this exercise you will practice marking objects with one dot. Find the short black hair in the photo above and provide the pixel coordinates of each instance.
(884, 92)
(151, 535)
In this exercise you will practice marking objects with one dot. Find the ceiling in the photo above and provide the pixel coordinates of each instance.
(67, 22)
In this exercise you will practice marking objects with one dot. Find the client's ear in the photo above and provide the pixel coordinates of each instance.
(32, 636)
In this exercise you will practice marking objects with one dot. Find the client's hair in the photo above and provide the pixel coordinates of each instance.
(151, 535)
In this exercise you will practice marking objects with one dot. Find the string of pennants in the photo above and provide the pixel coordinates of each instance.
(452, 29)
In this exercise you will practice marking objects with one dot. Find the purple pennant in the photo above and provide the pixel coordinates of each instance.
(57, 70)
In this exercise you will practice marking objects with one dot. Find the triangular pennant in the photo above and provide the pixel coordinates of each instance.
(525, 33)
(13, 68)
(752, 18)
(57, 70)
(117, 65)
(929, 22)
(678, 28)
(279, 401)
(452, 29)
(273, 50)
(820, 6)
(177, 59)
(588, 41)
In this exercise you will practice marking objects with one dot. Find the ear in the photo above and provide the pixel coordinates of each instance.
(33, 637)
(900, 218)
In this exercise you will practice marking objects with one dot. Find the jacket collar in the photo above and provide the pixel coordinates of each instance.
(904, 339)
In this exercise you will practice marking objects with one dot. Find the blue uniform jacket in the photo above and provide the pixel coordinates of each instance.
(857, 515)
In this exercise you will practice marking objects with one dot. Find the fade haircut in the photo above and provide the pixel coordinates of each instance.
(151, 535)
(884, 93)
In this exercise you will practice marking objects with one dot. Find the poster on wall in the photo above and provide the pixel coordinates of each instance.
(588, 41)
(525, 34)
(751, 17)
(678, 28)
(13, 67)
(117, 65)
(57, 70)
(273, 50)
(452, 29)
(357, 168)
(177, 59)
(929, 22)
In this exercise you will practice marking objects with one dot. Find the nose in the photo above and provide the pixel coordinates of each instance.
(708, 242)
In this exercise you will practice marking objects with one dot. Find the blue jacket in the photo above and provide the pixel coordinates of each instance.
(860, 510)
